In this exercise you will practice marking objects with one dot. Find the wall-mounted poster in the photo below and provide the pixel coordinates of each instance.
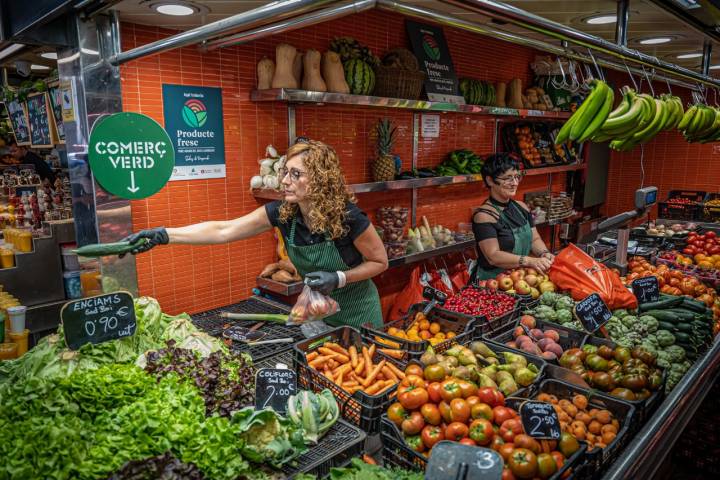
(39, 120)
(19, 120)
(56, 105)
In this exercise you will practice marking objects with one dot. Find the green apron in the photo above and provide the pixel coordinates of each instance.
(359, 301)
(523, 244)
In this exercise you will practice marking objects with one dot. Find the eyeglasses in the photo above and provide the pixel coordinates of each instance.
(302, 140)
(295, 175)
(509, 180)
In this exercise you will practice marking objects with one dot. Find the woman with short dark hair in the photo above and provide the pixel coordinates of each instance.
(503, 227)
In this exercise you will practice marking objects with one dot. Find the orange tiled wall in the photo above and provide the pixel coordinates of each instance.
(199, 278)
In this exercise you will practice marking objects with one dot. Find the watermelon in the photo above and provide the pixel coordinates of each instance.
(359, 76)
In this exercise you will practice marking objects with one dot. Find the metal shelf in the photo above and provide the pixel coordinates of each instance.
(321, 98)
(555, 169)
(285, 289)
(436, 252)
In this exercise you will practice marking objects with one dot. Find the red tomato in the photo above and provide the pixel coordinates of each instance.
(450, 389)
(413, 424)
(459, 410)
(456, 431)
(413, 380)
(397, 413)
(497, 441)
(506, 450)
(523, 463)
(487, 395)
(468, 441)
(412, 397)
(481, 431)
(434, 392)
(445, 411)
(507, 474)
(431, 414)
(482, 410)
(472, 400)
(468, 389)
(500, 399)
(710, 234)
(500, 414)
(431, 435)
(509, 429)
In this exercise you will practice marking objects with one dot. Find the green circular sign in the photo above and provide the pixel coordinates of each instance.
(130, 155)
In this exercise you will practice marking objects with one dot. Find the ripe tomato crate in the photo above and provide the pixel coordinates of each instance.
(357, 408)
(396, 453)
(682, 211)
(461, 325)
(597, 459)
(643, 408)
(488, 324)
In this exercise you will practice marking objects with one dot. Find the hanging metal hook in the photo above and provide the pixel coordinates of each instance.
(600, 73)
(668, 85)
(574, 82)
(652, 90)
(563, 84)
(632, 79)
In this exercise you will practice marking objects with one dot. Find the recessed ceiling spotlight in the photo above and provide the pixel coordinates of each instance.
(35, 66)
(655, 40)
(176, 8)
(715, 67)
(685, 56)
(601, 19)
(49, 55)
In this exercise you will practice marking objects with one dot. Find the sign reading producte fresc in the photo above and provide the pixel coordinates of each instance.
(130, 155)
(194, 120)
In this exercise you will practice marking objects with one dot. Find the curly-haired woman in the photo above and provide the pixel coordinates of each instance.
(329, 239)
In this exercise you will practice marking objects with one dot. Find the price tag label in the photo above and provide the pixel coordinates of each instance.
(646, 289)
(455, 461)
(98, 319)
(540, 420)
(273, 387)
(592, 312)
(434, 294)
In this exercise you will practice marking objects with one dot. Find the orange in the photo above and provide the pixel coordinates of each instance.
(700, 257)
(425, 335)
(424, 325)
(705, 265)
(434, 328)
(449, 335)
(440, 336)
(392, 331)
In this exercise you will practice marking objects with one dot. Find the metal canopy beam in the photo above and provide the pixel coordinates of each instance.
(680, 13)
(535, 23)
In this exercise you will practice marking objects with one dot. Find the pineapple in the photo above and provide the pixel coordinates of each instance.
(383, 168)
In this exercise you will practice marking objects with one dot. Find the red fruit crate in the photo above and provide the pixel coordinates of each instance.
(674, 210)
(487, 325)
(357, 408)
(462, 327)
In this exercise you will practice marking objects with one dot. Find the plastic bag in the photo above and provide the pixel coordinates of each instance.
(577, 272)
(312, 306)
(409, 296)
(460, 278)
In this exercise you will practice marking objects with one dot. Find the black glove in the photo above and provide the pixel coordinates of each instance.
(154, 236)
(323, 282)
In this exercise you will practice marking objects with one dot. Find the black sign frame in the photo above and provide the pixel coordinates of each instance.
(455, 461)
(98, 319)
(592, 312)
(646, 289)
(273, 387)
(540, 420)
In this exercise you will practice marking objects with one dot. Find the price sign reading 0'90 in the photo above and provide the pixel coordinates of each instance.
(98, 319)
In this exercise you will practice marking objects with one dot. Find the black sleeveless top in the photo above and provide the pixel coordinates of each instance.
(514, 216)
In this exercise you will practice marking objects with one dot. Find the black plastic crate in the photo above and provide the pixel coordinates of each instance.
(396, 453)
(212, 323)
(484, 325)
(357, 408)
(531, 359)
(569, 337)
(597, 459)
(461, 325)
(643, 408)
(285, 357)
(336, 448)
(675, 211)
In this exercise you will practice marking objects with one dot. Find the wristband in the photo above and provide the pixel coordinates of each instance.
(342, 279)
(521, 262)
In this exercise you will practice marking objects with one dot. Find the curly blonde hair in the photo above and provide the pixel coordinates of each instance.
(326, 190)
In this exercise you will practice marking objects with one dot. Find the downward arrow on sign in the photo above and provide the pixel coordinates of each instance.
(132, 186)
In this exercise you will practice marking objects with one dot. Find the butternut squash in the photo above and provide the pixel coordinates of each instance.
(500, 89)
(333, 73)
(298, 67)
(265, 72)
(312, 80)
(515, 94)
(284, 58)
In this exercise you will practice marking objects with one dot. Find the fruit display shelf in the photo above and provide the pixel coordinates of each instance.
(321, 98)
(435, 252)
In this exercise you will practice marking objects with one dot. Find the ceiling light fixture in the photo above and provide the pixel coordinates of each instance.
(601, 19)
(685, 56)
(35, 66)
(49, 55)
(6, 52)
(655, 40)
(715, 67)
(175, 9)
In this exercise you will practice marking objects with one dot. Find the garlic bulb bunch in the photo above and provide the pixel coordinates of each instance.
(269, 168)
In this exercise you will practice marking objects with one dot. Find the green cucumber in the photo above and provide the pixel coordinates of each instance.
(682, 337)
(662, 315)
(105, 249)
(694, 305)
(682, 315)
(662, 325)
(661, 304)
(684, 327)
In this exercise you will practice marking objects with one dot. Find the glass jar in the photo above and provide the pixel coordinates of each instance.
(7, 258)
(25, 242)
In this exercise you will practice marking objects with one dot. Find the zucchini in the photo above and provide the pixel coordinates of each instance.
(694, 305)
(661, 304)
(662, 315)
(105, 249)
(682, 337)
(684, 327)
(683, 315)
(662, 325)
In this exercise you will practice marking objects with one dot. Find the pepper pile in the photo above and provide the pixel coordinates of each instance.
(460, 162)
(481, 302)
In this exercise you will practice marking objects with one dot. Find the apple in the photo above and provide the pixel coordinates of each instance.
(531, 279)
(547, 286)
(517, 275)
(504, 282)
(534, 293)
(482, 283)
(522, 287)
(531, 271)
(492, 284)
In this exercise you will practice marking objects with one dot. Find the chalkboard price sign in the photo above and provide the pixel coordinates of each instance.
(455, 461)
(273, 387)
(646, 289)
(39, 119)
(540, 420)
(592, 312)
(434, 294)
(98, 319)
(18, 118)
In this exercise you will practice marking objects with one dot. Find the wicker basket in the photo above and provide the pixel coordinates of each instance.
(398, 83)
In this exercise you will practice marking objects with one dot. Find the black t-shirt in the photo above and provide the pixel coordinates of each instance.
(356, 221)
(515, 216)
(41, 167)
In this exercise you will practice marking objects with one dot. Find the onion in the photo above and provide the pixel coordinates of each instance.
(256, 182)
(271, 152)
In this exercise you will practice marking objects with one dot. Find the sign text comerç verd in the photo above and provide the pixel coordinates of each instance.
(194, 120)
(130, 155)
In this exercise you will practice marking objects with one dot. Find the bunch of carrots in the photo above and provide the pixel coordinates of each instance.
(353, 369)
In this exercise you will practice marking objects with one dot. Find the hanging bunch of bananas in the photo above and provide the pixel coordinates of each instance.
(587, 120)
(638, 118)
(701, 124)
